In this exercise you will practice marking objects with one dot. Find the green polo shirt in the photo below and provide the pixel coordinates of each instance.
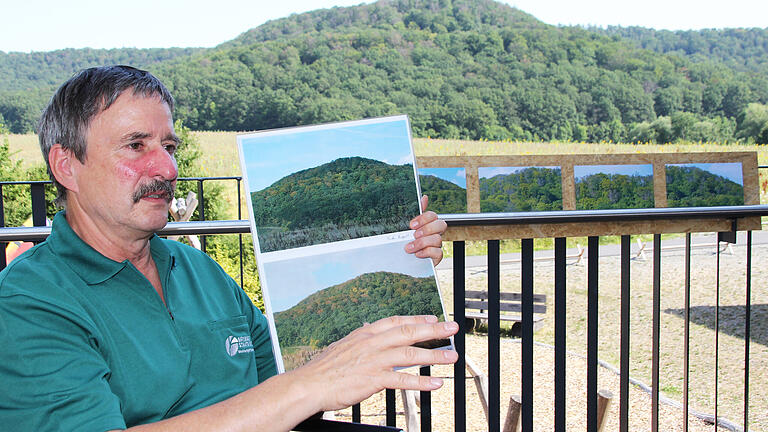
(87, 344)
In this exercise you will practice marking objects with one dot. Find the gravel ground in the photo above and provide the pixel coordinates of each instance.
(730, 398)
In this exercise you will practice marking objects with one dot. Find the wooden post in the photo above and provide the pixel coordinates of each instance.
(512, 423)
(603, 402)
(411, 412)
(181, 211)
(481, 383)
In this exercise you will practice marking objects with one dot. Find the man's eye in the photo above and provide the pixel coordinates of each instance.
(170, 148)
(135, 146)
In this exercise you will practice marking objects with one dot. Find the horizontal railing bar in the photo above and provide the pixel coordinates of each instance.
(570, 216)
(242, 226)
(10, 234)
(25, 182)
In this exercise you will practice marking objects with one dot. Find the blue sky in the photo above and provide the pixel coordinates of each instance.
(319, 271)
(729, 170)
(44, 25)
(580, 171)
(275, 154)
(488, 172)
(457, 176)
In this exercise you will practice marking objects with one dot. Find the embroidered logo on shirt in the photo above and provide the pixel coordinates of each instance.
(238, 344)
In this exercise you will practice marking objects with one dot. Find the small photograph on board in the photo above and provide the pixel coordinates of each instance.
(446, 188)
(320, 184)
(323, 294)
(520, 189)
(705, 184)
(601, 187)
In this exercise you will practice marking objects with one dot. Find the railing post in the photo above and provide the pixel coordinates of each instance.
(560, 334)
(624, 348)
(494, 335)
(459, 388)
(3, 261)
(593, 270)
(37, 190)
(526, 358)
(656, 329)
(201, 209)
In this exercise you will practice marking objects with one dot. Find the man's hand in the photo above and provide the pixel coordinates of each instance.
(428, 236)
(361, 364)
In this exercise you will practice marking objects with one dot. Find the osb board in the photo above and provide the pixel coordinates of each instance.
(494, 232)
(566, 163)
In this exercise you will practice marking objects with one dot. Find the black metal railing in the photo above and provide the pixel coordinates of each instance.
(527, 365)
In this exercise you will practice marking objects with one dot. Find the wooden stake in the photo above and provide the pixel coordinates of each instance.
(512, 422)
(603, 402)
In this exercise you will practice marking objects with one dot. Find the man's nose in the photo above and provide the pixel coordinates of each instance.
(162, 164)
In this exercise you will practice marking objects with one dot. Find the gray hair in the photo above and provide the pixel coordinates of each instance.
(91, 91)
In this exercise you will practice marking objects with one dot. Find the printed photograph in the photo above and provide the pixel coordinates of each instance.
(338, 291)
(704, 184)
(520, 189)
(326, 183)
(446, 188)
(601, 187)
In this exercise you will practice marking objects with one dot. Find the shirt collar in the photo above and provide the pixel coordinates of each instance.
(87, 262)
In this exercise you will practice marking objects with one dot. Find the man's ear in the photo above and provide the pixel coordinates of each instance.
(62, 163)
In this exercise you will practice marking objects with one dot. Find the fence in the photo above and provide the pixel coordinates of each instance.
(726, 215)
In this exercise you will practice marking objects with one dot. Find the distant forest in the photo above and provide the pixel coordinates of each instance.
(444, 196)
(689, 186)
(470, 69)
(530, 189)
(343, 199)
(330, 314)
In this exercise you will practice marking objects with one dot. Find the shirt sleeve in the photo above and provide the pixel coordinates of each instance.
(52, 376)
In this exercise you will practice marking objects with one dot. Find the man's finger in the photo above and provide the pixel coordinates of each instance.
(405, 381)
(388, 323)
(423, 219)
(413, 356)
(410, 334)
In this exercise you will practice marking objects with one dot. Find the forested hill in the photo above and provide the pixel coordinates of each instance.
(460, 69)
(330, 314)
(21, 71)
(342, 199)
(741, 49)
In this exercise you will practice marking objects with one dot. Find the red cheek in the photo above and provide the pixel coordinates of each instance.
(129, 169)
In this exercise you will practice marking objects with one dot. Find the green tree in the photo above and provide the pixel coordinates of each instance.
(753, 124)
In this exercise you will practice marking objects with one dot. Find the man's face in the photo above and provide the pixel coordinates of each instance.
(129, 174)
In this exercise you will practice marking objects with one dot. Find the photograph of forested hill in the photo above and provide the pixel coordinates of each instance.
(332, 313)
(520, 189)
(446, 189)
(340, 200)
(614, 187)
(695, 185)
(470, 69)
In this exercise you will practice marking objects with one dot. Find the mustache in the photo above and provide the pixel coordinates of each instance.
(160, 187)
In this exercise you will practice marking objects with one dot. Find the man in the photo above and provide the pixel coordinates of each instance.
(105, 326)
